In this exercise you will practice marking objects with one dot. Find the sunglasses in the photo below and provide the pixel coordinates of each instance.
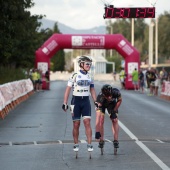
(87, 63)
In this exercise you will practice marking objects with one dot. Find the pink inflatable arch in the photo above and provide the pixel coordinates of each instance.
(88, 41)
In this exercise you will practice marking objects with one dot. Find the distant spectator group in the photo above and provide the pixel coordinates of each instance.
(36, 77)
(150, 79)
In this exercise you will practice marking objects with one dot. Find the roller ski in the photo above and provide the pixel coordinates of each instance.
(90, 149)
(101, 146)
(76, 149)
(116, 145)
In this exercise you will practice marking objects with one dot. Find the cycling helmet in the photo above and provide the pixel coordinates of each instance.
(107, 90)
(83, 59)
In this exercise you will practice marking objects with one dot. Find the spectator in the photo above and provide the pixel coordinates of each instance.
(34, 78)
(147, 78)
(165, 75)
(141, 81)
(145, 81)
(135, 78)
(114, 75)
(47, 77)
(157, 82)
(152, 78)
(169, 76)
(39, 85)
(122, 78)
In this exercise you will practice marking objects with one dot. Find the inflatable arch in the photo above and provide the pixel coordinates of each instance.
(89, 41)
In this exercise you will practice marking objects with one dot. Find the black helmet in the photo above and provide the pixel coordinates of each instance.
(107, 90)
(83, 59)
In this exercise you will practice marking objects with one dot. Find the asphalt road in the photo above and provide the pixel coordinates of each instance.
(37, 135)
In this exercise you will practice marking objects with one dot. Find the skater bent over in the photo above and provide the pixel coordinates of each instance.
(109, 98)
(82, 85)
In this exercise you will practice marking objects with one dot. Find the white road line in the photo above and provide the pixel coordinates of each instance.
(83, 141)
(60, 142)
(35, 143)
(108, 140)
(10, 143)
(144, 148)
(159, 141)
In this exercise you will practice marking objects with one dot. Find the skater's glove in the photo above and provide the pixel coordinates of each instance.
(64, 107)
(113, 114)
(97, 135)
(96, 105)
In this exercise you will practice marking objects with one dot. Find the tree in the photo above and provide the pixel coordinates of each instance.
(58, 59)
(18, 39)
(163, 35)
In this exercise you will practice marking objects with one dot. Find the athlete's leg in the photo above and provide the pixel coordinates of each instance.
(115, 128)
(100, 124)
(88, 129)
(76, 125)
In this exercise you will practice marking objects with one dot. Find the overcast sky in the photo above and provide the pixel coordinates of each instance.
(84, 14)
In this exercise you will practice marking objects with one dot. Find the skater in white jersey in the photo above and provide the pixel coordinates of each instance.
(82, 86)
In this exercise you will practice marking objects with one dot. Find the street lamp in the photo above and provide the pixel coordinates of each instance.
(110, 32)
(132, 31)
(156, 41)
(151, 25)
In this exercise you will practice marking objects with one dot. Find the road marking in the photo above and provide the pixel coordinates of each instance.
(60, 142)
(83, 141)
(108, 140)
(159, 141)
(144, 148)
(35, 143)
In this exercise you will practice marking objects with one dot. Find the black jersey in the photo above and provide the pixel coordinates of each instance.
(116, 96)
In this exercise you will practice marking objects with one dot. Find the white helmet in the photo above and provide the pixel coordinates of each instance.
(83, 59)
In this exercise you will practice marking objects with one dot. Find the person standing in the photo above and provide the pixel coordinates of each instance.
(83, 85)
(152, 78)
(141, 81)
(157, 82)
(135, 79)
(39, 75)
(34, 78)
(109, 98)
(114, 75)
(122, 78)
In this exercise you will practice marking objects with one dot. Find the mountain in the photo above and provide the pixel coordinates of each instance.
(64, 29)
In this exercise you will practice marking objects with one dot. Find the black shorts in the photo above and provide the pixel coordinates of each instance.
(109, 106)
(80, 107)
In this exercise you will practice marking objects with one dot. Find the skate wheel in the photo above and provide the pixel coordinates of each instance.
(115, 151)
(89, 155)
(101, 151)
(76, 155)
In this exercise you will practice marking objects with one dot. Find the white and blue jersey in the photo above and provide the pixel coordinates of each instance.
(81, 83)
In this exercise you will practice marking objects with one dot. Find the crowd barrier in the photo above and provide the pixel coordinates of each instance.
(165, 93)
(12, 94)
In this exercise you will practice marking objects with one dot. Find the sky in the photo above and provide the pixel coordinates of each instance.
(85, 14)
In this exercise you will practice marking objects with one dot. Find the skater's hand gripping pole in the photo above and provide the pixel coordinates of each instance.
(64, 107)
(96, 105)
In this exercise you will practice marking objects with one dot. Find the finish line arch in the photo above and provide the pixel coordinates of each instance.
(89, 41)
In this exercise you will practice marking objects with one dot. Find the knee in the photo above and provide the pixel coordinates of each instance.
(76, 125)
(115, 120)
(87, 122)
